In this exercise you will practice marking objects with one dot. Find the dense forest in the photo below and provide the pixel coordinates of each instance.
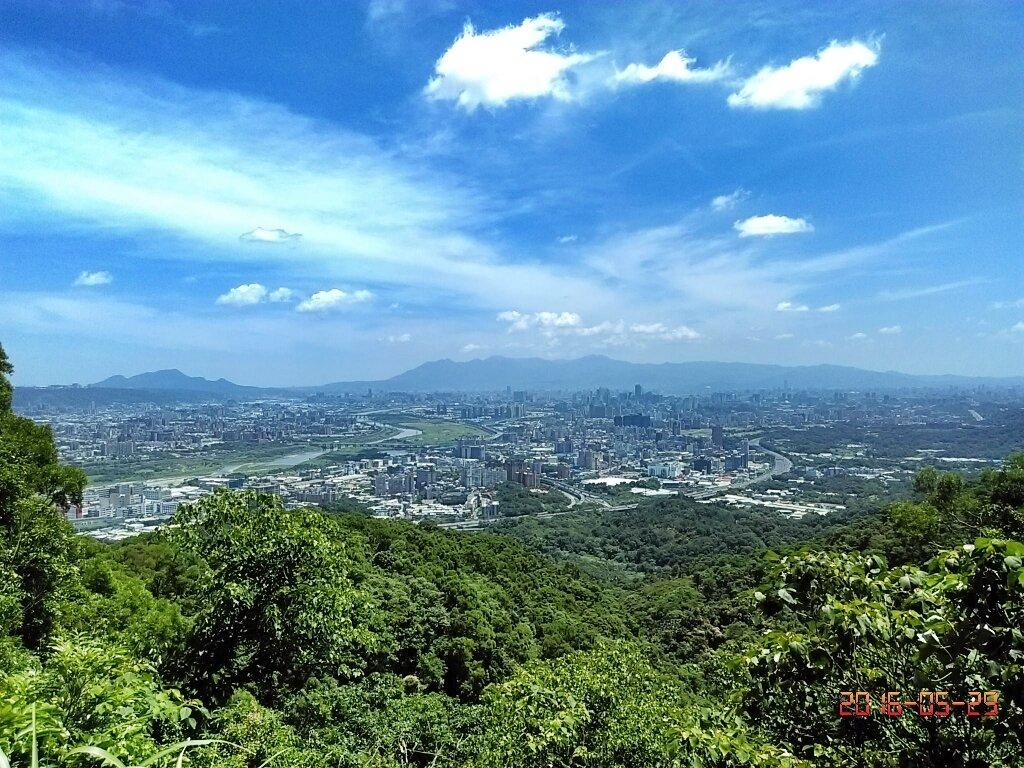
(249, 635)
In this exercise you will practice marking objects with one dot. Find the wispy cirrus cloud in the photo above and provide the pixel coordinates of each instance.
(916, 292)
(727, 202)
(141, 156)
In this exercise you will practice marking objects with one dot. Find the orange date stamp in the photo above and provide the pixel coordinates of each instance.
(926, 704)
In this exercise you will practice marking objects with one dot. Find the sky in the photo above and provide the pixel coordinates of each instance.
(288, 194)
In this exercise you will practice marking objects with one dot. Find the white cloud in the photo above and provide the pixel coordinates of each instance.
(800, 84)
(519, 321)
(244, 295)
(1018, 327)
(890, 330)
(184, 171)
(90, 279)
(648, 328)
(281, 295)
(254, 293)
(564, 239)
(901, 294)
(377, 10)
(726, 202)
(771, 224)
(675, 67)
(333, 298)
(859, 336)
(830, 308)
(1008, 304)
(604, 327)
(261, 235)
(678, 333)
(789, 306)
(495, 67)
(784, 336)
(400, 338)
(472, 347)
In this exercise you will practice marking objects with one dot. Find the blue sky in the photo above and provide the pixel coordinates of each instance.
(302, 193)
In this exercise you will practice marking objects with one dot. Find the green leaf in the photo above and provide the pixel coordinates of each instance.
(99, 754)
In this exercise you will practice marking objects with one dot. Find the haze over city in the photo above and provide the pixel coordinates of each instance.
(343, 194)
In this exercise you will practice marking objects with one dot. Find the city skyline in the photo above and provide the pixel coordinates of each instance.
(344, 194)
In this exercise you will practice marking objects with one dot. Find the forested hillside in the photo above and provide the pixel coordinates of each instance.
(248, 635)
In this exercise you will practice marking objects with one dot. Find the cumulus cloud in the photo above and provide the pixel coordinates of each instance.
(471, 347)
(495, 67)
(830, 308)
(726, 202)
(890, 330)
(254, 293)
(520, 321)
(789, 306)
(333, 298)
(89, 279)
(859, 336)
(261, 235)
(244, 295)
(674, 67)
(801, 83)
(771, 224)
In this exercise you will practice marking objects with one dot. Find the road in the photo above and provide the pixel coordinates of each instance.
(780, 466)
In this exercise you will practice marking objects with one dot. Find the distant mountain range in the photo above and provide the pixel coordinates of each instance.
(173, 379)
(496, 373)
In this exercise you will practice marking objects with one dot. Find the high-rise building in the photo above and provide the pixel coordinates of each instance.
(717, 436)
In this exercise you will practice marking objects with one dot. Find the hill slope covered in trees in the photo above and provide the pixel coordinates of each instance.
(249, 635)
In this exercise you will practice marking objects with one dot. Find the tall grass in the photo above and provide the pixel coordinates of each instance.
(108, 759)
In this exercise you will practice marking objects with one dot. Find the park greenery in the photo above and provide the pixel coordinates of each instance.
(249, 635)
